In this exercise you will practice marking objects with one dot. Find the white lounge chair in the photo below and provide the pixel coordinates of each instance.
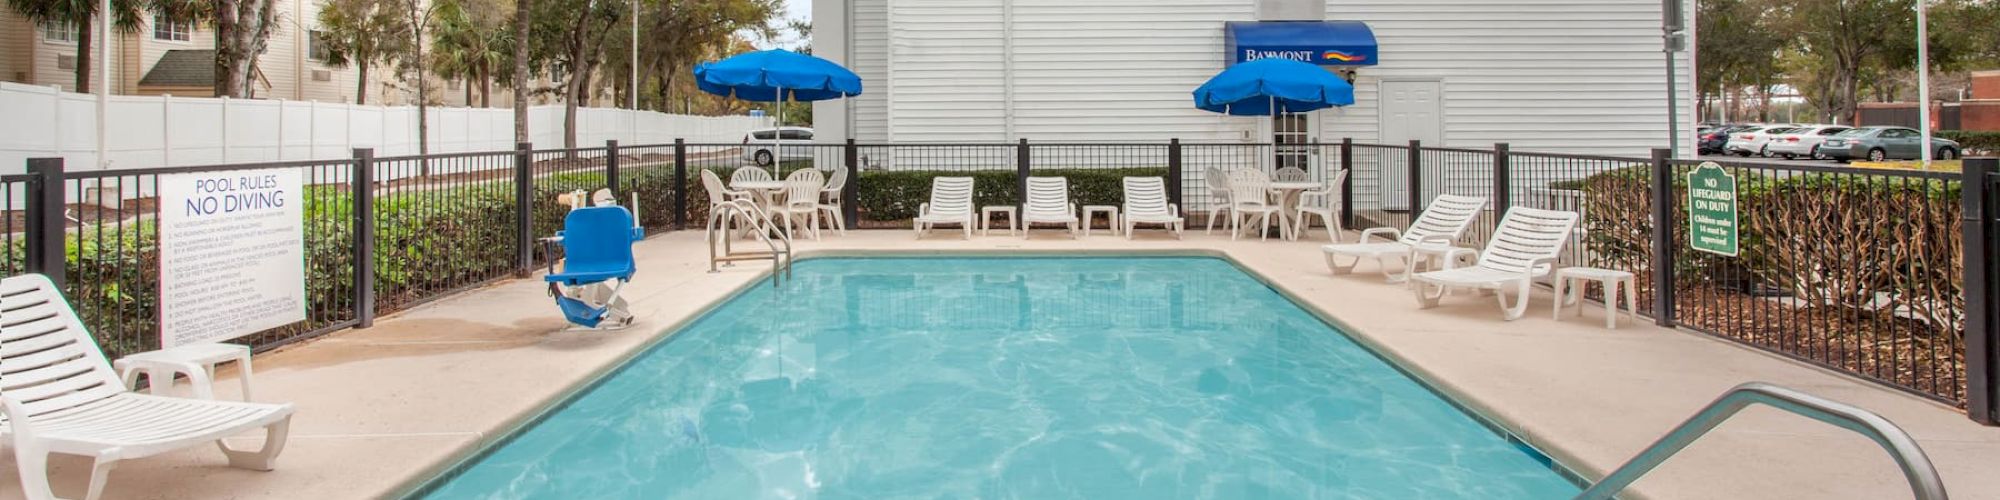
(951, 203)
(59, 395)
(1442, 223)
(800, 202)
(1323, 202)
(1524, 247)
(1218, 194)
(1146, 203)
(1047, 202)
(830, 202)
(1250, 198)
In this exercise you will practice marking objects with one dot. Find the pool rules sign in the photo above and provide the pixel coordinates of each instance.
(1712, 210)
(232, 254)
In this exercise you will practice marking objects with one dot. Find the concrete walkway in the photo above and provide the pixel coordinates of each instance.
(384, 408)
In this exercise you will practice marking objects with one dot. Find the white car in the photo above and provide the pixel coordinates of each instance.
(796, 143)
(1803, 141)
(1752, 141)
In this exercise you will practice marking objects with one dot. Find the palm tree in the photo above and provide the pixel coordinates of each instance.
(362, 33)
(80, 14)
(470, 42)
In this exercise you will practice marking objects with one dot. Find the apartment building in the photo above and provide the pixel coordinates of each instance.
(178, 59)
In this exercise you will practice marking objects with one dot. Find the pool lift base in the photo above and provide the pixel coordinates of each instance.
(778, 244)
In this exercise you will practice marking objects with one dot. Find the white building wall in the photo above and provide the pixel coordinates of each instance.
(1564, 76)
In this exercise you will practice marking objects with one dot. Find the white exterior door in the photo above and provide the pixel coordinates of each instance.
(1411, 110)
(1290, 134)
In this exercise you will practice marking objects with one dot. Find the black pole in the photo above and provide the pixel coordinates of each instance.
(1502, 182)
(1021, 177)
(1663, 238)
(524, 222)
(1416, 193)
(1347, 188)
(1982, 338)
(46, 224)
(850, 194)
(364, 237)
(680, 184)
(611, 169)
(1174, 170)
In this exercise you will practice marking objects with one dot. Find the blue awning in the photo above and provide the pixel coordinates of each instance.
(1326, 43)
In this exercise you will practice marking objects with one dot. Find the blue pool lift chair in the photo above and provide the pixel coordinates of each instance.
(597, 250)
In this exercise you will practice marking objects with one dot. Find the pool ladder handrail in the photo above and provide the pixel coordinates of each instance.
(1916, 466)
(780, 252)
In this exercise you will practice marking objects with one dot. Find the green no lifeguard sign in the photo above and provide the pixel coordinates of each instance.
(1712, 210)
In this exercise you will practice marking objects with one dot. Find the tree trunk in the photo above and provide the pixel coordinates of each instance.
(485, 87)
(84, 38)
(361, 82)
(468, 91)
(521, 71)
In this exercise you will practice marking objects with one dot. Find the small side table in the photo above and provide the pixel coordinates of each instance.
(986, 218)
(1571, 281)
(161, 366)
(1110, 212)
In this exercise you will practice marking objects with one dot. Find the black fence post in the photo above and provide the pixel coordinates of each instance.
(1416, 178)
(47, 224)
(1347, 188)
(1503, 189)
(524, 221)
(1021, 177)
(1174, 170)
(850, 193)
(1664, 246)
(1982, 333)
(611, 169)
(364, 237)
(680, 184)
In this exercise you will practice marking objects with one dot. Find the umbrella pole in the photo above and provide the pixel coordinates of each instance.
(778, 144)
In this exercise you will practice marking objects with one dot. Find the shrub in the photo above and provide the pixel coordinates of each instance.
(1982, 141)
(895, 195)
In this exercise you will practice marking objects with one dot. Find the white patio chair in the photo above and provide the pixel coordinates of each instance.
(1047, 202)
(1146, 203)
(1218, 195)
(800, 201)
(1525, 246)
(1290, 174)
(951, 203)
(719, 195)
(1442, 223)
(1249, 197)
(830, 202)
(749, 174)
(61, 396)
(1325, 203)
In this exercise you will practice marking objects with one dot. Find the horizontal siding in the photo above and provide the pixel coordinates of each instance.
(948, 70)
(870, 46)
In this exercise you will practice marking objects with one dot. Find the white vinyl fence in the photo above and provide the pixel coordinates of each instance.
(160, 131)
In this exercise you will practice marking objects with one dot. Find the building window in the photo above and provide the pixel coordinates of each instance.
(167, 29)
(317, 46)
(59, 32)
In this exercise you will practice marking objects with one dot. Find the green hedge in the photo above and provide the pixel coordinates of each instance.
(1972, 140)
(895, 195)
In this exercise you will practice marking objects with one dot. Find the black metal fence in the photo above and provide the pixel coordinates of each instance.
(1883, 274)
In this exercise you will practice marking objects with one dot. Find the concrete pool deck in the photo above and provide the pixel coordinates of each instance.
(383, 408)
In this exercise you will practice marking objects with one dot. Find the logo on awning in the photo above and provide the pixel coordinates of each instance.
(1335, 55)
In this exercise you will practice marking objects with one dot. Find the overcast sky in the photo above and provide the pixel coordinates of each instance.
(794, 9)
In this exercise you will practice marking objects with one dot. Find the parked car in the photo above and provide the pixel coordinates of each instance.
(1885, 143)
(1714, 138)
(796, 143)
(1751, 141)
(1802, 141)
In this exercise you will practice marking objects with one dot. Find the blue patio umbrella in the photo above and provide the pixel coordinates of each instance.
(1269, 86)
(777, 75)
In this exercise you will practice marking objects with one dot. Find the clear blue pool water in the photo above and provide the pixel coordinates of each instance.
(1033, 378)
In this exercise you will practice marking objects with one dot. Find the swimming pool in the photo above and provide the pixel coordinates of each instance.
(1157, 377)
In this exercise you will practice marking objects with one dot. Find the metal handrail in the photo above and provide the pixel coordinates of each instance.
(718, 221)
(1917, 469)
